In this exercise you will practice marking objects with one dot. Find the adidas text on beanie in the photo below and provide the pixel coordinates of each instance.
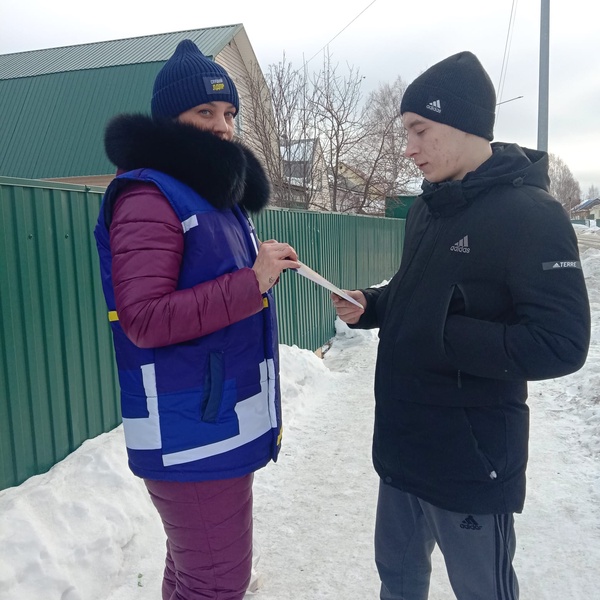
(456, 91)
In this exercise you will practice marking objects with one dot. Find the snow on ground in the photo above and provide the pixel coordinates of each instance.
(86, 530)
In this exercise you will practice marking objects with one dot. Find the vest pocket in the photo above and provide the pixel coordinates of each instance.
(213, 388)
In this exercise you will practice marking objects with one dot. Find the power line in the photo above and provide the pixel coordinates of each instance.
(511, 22)
(340, 32)
(505, 101)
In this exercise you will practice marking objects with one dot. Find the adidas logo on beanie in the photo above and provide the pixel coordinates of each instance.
(456, 91)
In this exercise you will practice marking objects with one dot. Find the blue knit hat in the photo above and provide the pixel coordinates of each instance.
(456, 91)
(188, 79)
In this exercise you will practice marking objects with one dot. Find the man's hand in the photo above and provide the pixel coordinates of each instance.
(346, 311)
(273, 258)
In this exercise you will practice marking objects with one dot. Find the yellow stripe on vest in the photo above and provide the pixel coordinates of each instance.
(112, 315)
(265, 302)
(279, 437)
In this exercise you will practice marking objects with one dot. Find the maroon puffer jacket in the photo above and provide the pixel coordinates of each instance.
(146, 263)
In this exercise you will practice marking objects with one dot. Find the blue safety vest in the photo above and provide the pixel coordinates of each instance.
(208, 408)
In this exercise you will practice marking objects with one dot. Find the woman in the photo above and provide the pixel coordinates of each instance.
(188, 288)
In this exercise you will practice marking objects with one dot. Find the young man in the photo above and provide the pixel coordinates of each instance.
(489, 294)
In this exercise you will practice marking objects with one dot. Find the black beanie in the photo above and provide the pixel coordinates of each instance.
(188, 79)
(457, 92)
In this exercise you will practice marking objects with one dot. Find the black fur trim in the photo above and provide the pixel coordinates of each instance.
(257, 191)
(224, 173)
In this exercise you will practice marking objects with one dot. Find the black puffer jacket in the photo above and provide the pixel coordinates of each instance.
(489, 294)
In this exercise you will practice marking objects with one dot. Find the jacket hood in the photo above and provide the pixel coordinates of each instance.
(224, 173)
(509, 165)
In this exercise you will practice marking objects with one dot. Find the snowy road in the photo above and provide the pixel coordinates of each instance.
(588, 241)
(86, 530)
(315, 509)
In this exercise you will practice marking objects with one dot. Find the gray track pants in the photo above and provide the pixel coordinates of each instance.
(478, 549)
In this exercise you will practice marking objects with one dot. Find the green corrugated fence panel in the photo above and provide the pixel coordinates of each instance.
(351, 251)
(58, 384)
(58, 381)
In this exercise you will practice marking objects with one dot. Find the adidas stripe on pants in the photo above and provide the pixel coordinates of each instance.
(478, 549)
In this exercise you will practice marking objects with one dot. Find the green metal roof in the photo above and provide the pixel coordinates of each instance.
(55, 103)
(146, 49)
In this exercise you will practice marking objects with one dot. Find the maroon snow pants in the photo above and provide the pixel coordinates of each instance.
(209, 537)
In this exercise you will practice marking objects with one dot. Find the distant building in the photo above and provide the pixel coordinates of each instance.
(304, 179)
(411, 187)
(55, 103)
(356, 193)
(590, 209)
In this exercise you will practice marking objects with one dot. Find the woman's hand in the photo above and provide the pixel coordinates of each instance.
(273, 258)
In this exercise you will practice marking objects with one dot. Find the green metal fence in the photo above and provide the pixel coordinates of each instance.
(349, 250)
(58, 382)
(587, 222)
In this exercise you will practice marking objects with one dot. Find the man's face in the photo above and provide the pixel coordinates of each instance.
(440, 151)
(216, 117)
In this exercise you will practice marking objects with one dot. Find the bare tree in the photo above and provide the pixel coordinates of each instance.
(321, 146)
(270, 117)
(282, 121)
(259, 127)
(592, 193)
(335, 104)
(563, 186)
(380, 155)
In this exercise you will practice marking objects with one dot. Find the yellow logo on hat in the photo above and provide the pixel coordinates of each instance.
(218, 85)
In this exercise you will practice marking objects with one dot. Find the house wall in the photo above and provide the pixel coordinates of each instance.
(229, 58)
(92, 83)
(239, 60)
(322, 198)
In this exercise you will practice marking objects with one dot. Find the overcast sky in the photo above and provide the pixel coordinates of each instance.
(390, 38)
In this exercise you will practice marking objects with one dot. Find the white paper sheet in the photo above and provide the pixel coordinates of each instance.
(320, 280)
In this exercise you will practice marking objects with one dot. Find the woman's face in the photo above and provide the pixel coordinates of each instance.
(216, 117)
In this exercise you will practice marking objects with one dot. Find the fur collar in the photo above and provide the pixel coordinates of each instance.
(224, 173)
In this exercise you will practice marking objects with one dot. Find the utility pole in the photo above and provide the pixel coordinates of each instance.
(542, 142)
